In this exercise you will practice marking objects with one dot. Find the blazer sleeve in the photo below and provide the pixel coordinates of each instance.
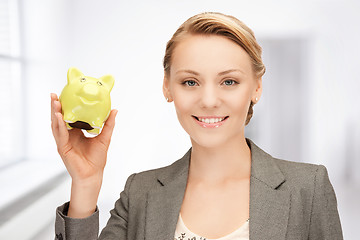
(325, 221)
(67, 228)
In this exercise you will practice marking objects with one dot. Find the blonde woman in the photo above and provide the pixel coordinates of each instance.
(224, 187)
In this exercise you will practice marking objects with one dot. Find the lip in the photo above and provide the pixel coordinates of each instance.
(210, 116)
(210, 125)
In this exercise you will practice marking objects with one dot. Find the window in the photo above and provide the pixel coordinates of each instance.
(11, 90)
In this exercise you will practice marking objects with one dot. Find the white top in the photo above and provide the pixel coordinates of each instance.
(183, 233)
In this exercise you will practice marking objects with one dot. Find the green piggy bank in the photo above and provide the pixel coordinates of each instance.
(85, 101)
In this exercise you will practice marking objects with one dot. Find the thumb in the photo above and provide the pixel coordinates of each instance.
(106, 133)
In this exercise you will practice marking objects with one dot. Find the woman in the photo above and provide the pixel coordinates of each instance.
(224, 187)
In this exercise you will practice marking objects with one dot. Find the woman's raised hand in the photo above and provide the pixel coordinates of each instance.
(84, 158)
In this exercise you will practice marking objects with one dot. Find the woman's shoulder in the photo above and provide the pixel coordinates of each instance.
(289, 173)
(150, 176)
(158, 176)
(292, 167)
(301, 174)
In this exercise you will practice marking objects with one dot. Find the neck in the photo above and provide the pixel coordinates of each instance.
(230, 161)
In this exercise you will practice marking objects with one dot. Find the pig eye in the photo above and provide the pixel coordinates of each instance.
(83, 80)
(99, 83)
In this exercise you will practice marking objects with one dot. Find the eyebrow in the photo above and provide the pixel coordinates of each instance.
(219, 74)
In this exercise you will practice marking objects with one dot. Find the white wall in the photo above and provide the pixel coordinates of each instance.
(127, 39)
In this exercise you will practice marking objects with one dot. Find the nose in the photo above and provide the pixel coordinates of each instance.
(210, 97)
(90, 91)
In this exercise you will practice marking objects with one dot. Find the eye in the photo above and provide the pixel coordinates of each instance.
(189, 83)
(82, 79)
(229, 82)
(99, 83)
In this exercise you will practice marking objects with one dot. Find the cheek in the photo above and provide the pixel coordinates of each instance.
(183, 106)
(184, 110)
(239, 104)
(183, 101)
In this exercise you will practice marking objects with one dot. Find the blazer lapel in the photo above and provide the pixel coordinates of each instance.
(269, 206)
(164, 202)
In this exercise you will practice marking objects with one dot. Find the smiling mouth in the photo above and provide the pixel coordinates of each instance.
(210, 120)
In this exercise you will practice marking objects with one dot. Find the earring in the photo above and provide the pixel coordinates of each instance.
(256, 99)
(167, 99)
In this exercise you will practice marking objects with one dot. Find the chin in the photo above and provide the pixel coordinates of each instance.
(207, 142)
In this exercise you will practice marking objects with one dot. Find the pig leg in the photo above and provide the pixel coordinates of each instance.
(69, 118)
(94, 131)
(68, 126)
(97, 125)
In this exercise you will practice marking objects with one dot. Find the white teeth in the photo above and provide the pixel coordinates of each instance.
(210, 120)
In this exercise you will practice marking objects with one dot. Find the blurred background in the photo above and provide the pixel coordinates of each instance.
(308, 111)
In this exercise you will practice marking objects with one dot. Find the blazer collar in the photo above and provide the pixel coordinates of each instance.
(263, 167)
(269, 207)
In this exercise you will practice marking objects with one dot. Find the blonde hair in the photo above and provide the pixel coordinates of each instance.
(214, 23)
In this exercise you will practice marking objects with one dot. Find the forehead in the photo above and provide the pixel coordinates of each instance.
(205, 52)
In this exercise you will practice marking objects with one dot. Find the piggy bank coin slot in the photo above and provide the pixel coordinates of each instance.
(81, 125)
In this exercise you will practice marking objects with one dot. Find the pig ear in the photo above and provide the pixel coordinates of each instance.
(108, 80)
(73, 73)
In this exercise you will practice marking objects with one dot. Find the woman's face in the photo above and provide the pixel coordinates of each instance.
(211, 77)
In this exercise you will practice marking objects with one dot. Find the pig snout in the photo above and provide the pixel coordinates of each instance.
(90, 92)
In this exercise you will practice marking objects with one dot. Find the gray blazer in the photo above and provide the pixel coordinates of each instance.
(288, 200)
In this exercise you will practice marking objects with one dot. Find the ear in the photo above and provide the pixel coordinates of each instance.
(166, 88)
(73, 73)
(258, 91)
(108, 80)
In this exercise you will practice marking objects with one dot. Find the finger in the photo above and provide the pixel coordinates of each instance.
(62, 132)
(108, 128)
(56, 109)
(55, 129)
(53, 98)
(57, 106)
(54, 122)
